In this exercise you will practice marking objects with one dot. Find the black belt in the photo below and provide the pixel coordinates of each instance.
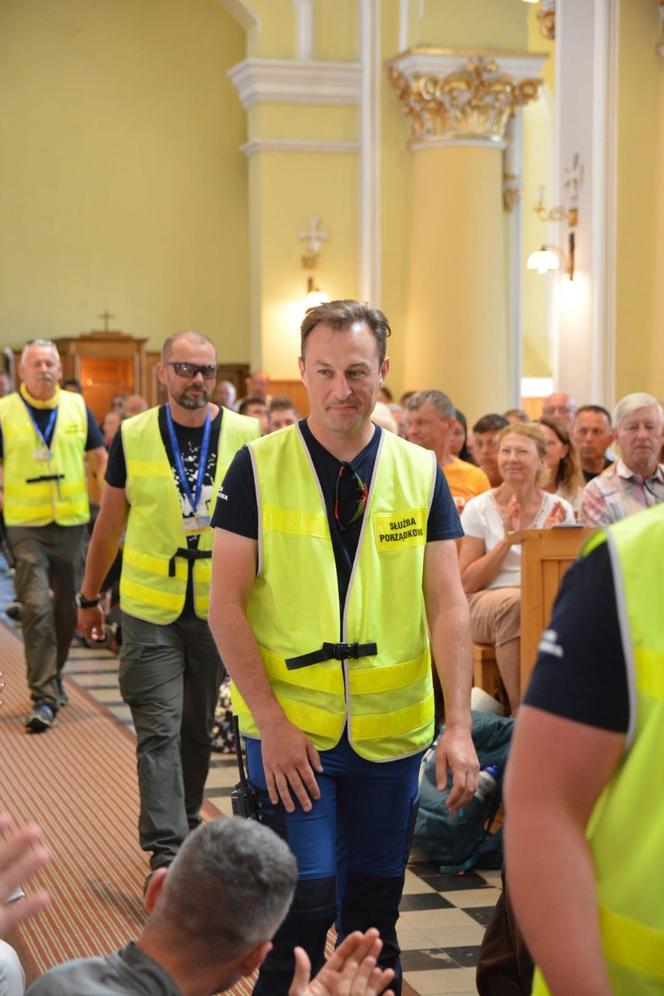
(184, 551)
(45, 477)
(332, 651)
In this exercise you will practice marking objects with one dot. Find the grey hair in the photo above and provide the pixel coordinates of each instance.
(632, 402)
(38, 342)
(228, 889)
(440, 402)
(192, 336)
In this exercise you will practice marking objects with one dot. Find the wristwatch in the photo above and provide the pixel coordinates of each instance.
(87, 603)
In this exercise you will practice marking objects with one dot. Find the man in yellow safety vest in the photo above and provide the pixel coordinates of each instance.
(585, 783)
(334, 560)
(45, 436)
(165, 466)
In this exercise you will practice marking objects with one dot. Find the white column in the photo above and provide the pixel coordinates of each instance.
(586, 81)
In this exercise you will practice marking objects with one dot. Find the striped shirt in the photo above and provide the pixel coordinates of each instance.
(618, 492)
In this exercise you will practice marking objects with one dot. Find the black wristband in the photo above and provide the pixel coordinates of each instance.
(87, 603)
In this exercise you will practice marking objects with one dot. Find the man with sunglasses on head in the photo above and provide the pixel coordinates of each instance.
(165, 466)
(46, 435)
(334, 558)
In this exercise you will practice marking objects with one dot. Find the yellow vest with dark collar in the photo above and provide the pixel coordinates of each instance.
(626, 828)
(386, 697)
(153, 584)
(28, 500)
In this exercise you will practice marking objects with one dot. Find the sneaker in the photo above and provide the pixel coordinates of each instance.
(63, 698)
(13, 610)
(41, 718)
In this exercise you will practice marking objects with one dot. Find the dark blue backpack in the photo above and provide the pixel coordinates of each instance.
(463, 840)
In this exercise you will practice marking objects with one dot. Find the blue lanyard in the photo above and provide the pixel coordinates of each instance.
(47, 436)
(179, 465)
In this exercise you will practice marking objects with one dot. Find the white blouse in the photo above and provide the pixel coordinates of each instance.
(481, 518)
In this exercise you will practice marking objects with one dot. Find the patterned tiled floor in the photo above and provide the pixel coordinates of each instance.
(442, 916)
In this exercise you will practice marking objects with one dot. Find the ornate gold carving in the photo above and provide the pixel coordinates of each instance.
(511, 191)
(546, 20)
(475, 102)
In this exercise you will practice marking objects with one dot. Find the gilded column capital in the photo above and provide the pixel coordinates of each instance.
(453, 97)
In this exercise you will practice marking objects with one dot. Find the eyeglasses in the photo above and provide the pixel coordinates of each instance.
(362, 495)
(557, 410)
(189, 370)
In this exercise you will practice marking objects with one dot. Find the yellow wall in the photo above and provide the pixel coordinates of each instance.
(288, 188)
(657, 316)
(457, 337)
(121, 184)
(336, 30)
(640, 225)
(497, 24)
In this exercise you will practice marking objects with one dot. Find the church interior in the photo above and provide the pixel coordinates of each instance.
(220, 165)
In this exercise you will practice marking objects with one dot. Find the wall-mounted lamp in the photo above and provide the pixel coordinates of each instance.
(315, 295)
(549, 257)
(314, 236)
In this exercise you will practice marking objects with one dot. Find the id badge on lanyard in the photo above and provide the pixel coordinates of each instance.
(197, 523)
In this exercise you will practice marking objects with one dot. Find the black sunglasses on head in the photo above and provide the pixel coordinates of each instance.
(189, 370)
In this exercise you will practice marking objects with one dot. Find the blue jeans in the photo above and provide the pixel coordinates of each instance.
(351, 851)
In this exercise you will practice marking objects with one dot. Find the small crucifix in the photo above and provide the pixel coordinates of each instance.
(106, 317)
(314, 236)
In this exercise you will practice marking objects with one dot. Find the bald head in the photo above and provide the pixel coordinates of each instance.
(561, 406)
(189, 336)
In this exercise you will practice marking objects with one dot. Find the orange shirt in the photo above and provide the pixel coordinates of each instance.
(465, 481)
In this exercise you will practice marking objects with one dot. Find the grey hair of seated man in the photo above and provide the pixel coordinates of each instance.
(440, 402)
(227, 891)
(631, 403)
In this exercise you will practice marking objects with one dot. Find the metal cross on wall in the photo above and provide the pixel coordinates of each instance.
(106, 317)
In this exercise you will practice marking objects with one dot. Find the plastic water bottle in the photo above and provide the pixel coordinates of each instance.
(487, 782)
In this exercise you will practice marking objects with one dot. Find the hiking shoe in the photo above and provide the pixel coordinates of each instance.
(41, 718)
(63, 698)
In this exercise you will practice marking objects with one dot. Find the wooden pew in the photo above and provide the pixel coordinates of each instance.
(545, 556)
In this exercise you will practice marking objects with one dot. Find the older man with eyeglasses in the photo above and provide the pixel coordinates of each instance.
(165, 467)
(45, 437)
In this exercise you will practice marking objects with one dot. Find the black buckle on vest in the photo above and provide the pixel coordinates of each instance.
(184, 551)
(332, 652)
(44, 477)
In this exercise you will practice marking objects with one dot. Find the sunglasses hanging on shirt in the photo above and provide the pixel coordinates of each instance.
(340, 502)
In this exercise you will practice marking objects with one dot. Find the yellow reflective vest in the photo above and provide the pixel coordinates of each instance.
(385, 696)
(153, 584)
(38, 492)
(626, 828)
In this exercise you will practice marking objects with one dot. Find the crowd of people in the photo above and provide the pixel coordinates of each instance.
(329, 564)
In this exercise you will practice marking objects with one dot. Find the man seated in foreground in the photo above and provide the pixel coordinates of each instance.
(211, 916)
(21, 857)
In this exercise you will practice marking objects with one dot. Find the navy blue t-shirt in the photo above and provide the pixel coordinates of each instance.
(41, 416)
(580, 672)
(237, 510)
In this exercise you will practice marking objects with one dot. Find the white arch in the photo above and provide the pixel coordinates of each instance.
(242, 13)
